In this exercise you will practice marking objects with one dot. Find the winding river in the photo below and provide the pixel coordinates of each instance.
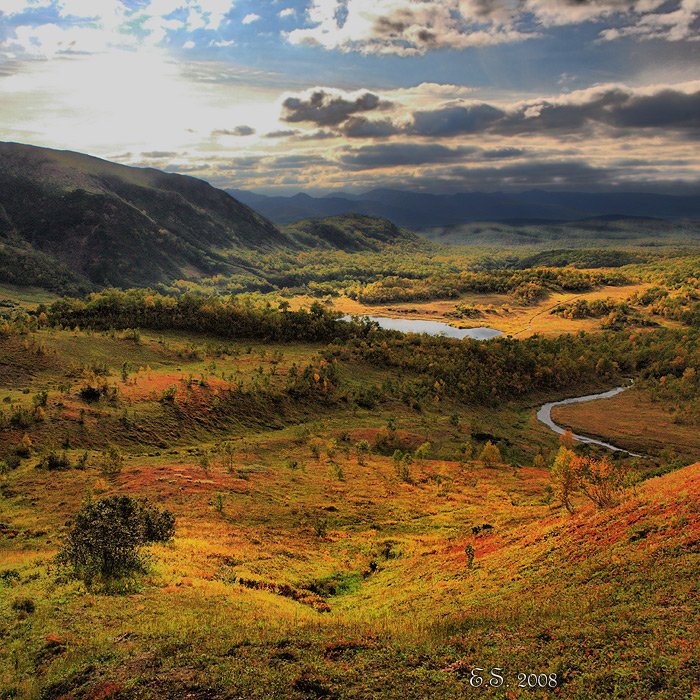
(545, 416)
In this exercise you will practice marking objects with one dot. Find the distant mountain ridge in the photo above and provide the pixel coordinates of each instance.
(420, 210)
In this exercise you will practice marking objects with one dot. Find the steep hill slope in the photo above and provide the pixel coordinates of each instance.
(113, 224)
(70, 223)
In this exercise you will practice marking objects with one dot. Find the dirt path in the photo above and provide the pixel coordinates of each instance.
(547, 310)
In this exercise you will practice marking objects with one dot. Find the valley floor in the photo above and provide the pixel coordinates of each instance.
(308, 560)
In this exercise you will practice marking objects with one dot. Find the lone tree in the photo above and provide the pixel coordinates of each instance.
(490, 455)
(108, 535)
(565, 477)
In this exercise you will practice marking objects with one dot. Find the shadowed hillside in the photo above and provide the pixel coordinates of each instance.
(71, 223)
(115, 225)
(350, 233)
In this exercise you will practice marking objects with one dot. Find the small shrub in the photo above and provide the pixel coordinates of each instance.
(25, 447)
(83, 460)
(168, 395)
(41, 398)
(90, 393)
(112, 461)
(107, 537)
(490, 456)
(55, 461)
(158, 526)
(469, 551)
(13, 461)
(319, 526)
(219, 503)
(26, 605)
(9, 576)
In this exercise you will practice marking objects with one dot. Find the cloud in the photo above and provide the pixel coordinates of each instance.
(395, 154)
(407, 27)
(327, 107)
(448, 121)
(252, 17)
(361, 127)
(298, 161)
(49, 27)
(611, 107)
(503, 153)
(280, 133)
(159, 154)
(242, 130)
(288, 12)
(318, 135)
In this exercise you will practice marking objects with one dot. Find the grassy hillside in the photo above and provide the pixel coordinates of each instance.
(307, 562)
(72, 223)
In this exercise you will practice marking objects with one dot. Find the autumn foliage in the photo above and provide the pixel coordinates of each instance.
(602, 481)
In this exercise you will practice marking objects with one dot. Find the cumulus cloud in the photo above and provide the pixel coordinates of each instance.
(408, 27)
(242, 130)
(361, 127)
(327, 107)
(287, 12)
(252, 17)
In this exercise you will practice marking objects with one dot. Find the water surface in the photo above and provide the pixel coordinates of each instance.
(545, 416)
(415, 325)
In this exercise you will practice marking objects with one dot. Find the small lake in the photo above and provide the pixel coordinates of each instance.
(414, 325)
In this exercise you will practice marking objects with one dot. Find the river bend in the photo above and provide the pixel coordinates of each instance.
(544, 415)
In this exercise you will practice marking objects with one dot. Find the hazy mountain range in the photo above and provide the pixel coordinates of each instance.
(415, 210)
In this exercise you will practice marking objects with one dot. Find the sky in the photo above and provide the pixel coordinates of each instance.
(319, 96)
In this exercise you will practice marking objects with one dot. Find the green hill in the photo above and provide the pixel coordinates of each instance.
(351, 233)
(70, 223)
(110, 224)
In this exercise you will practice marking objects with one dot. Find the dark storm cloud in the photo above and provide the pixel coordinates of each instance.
(394, 154)
(449, 121)
(242, 130)
(328, 108)
(361, 127)
(617, 107)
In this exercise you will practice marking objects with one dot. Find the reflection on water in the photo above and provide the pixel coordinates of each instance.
(414, 325)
